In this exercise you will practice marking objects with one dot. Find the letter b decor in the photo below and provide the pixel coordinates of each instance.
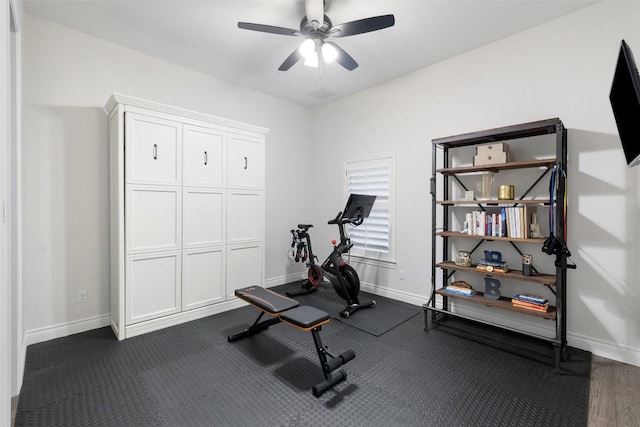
(491, 288)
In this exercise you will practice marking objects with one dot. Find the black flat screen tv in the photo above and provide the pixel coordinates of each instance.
(625, 102)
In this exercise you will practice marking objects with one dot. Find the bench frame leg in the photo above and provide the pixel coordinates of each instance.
(330, 378)
(255, 328)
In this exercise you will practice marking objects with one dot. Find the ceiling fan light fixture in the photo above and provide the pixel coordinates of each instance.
(308, 48)
(329, 53)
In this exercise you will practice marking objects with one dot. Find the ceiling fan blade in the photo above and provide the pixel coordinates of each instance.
(344, 58)
(291, 60)
(362, 26)
(268, 29)
(314, 9)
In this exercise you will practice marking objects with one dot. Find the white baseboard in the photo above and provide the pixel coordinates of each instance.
(281, 280)
(407, 297)
(182, 317)
(60, 330)
(609, 350)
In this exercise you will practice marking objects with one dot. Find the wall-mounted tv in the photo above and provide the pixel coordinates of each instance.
(625, 102)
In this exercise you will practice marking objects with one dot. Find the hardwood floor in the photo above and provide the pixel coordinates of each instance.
(614, 399)
(14, 408)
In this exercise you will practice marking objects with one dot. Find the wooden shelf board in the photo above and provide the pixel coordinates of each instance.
(502, 303)
(471, 236)
(544, 279)
(548, 163)
(493, 202)
(522, 130)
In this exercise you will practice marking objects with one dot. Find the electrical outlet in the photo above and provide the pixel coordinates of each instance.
(401, 274)
(82, 296)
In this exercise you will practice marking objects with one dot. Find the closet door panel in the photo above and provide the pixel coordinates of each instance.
(204, 157)
(153, 219)
(244, 162)
(203, 280)
(244, 267)
(154, 148)
(244, 216)
(153, 286)
(204, 217)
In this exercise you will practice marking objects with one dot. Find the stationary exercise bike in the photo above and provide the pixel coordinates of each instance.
(342, 276)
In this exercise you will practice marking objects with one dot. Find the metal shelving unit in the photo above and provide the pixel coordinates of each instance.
(439, 307)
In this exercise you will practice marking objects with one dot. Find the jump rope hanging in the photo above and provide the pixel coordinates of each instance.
(557, 185)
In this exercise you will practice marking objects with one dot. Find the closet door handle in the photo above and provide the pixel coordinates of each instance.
(205, 158)
(155, 151)
(246, 163)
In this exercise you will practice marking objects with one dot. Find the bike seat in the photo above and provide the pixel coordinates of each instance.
(305, 227)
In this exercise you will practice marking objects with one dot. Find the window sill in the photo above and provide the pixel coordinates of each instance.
(363, 260)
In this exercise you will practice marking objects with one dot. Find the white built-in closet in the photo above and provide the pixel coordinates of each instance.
(187, 213)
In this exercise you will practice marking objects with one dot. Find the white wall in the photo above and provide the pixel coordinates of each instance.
(560, 69)
(67, 78)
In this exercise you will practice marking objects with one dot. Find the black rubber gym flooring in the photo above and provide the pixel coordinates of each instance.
(189, 375)
(377, 320)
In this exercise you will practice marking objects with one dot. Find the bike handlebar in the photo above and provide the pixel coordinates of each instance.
(338, 220)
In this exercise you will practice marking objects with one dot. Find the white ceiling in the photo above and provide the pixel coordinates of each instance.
(203, 35)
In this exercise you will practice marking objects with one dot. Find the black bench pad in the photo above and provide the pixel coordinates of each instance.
(266, 300)
(305, 316)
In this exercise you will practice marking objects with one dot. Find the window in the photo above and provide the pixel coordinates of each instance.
(373, 176)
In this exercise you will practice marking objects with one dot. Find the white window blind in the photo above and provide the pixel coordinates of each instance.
(372, 177)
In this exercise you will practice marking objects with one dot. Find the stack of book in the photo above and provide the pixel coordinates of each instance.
(482, 223)
(492, 266)
(530, 302)
(509, 221)
(460, 288)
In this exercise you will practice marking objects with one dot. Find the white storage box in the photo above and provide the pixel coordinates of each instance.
(491, 154)
(492, 148)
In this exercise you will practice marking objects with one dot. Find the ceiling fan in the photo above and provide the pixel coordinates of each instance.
(316, 28)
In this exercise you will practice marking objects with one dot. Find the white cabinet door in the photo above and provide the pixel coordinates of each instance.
(204, 217)
(153, 218)
(204, 156)
(153, 150)
(244, 216)
(203, 277)
(153, 286)
(244, 267)
(244, 162)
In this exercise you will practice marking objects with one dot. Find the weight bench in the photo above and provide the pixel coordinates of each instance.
(305, 318)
